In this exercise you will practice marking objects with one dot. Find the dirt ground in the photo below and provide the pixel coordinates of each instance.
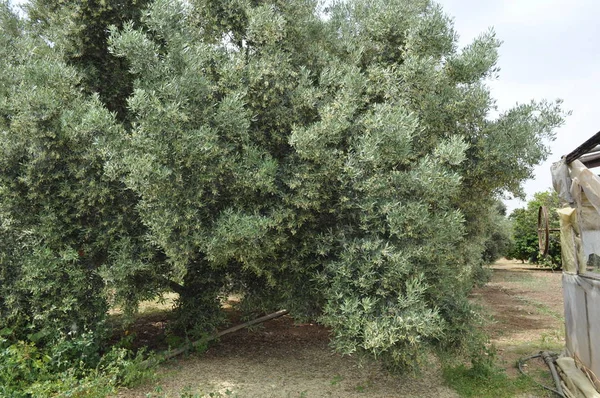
(525, 305)
(281, 359)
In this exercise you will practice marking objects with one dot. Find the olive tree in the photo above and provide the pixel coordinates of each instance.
(63, 220)
(340, 162)
(78, 30)
(500, 242)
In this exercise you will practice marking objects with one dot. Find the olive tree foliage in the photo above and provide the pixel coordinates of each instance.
(500, 242)
(79, 30)
(63, 221)
(338, 162)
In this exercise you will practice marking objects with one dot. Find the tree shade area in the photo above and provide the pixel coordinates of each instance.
(342, 162)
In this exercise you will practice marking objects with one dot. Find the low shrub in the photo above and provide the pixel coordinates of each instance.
(29, 371)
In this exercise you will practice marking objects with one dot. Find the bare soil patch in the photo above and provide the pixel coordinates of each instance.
(284, 360)
(525, 305)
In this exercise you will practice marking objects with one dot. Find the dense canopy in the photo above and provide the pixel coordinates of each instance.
(339, 161)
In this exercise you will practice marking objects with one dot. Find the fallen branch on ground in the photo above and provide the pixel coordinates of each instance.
(178, 351)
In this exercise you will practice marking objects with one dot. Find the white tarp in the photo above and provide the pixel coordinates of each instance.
(579, 191)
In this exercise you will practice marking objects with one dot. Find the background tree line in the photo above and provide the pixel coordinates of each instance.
(515, 235)
(525, 241)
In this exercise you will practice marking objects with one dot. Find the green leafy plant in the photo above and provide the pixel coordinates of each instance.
(336, 379)
(26, 370)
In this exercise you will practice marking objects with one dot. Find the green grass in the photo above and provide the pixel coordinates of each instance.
(470, 382)
(529, 280)
(514, 276)
(541, 308)
(548, 341)
(336, 379)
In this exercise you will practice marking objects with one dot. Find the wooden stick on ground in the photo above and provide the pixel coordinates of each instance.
(173, 353)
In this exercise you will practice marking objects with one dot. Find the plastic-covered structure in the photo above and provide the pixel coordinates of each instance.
(579, 190)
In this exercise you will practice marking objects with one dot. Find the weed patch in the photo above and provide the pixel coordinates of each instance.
(29, 371)
(479, 382)
(541, 307)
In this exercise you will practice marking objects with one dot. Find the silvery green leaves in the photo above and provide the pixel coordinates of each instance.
(475, 61)
(352, 169)
(341, 166)
(386, 141)
(265, 25)
(65, 213)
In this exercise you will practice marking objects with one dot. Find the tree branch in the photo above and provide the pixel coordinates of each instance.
(176, 287)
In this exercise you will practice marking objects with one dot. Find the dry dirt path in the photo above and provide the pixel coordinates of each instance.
(526, 308)
(286, 360)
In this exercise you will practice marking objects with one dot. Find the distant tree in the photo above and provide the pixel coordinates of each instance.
(525, 234)
(500, 240)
